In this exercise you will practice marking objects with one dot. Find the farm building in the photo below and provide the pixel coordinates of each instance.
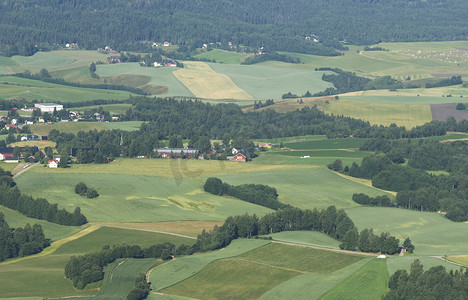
(265, 145)
(240, 156)
(177, 152)
(48, 107)
(11, 159)
(53, 163)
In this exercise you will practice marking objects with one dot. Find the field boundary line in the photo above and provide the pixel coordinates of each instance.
(21, 171)
(451, 262)
(365, 182)
(147, 230)
(326, 249)
(56, 244)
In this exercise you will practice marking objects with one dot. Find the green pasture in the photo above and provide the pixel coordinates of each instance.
(401, 100)
(75, 127)
(51, 230)
(13, 87)
(132, 198)
(159, 76)
(313, 285)
(309, 238)
(6, 166)
(253, 273)
(323, 153)
(177, 270)
(342, 143)
(370, 282)
(232, 279)
(301, 259)
(395, 263)
(306, 188)
(119, 277)
(431, 233)
(416, 60)
(112, 108)
(381, 114)
(126, 126)
(43, 276)
(301, 138)
(95, 240)
(272, 80)
(286, 157)
(222, 56)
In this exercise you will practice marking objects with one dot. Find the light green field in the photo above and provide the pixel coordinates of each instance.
(159, 76)
(347, 143)
(222, 56)
(75, 127)
(381, 114)
(131, 198)
(250, 275)
(43, 276)
(34, 89)
(272, 80)
(119, 277)
(402, 100)
(51, 230)
(431, 233)
(312, 238)
(112, 108)
(395, 263)
(417, 60)
(181, 268)
(293, 139)
(322, 153)
(312, 285)
(370, 282)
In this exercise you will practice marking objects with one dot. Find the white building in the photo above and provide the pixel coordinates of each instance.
(48, 107)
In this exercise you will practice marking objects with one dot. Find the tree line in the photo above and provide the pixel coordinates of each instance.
(335, 223)
(434, 283)
(19, 242)
(38, 208)
(259, 194)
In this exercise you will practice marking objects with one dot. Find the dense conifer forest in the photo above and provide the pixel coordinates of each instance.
(276, 25)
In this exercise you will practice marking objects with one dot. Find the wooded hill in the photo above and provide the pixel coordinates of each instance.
(276, 24)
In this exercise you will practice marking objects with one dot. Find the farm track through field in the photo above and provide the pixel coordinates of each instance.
(23, 169)
(57, 244)
(147, 230)
(326, 249)
(449, 261)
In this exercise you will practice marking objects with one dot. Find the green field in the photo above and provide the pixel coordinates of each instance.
(381, 114)
(309, 238)
(323, 153)
(181, 268)
(312, 285)
(370, 282)
(14, 87)
(112, 108)
(43, 276)
(431, 233)
(51, 230)
(119, 278)
(250, 275)
(222, 56)
(132, 198)
(395, 263)
(75, 127)
(347, 143)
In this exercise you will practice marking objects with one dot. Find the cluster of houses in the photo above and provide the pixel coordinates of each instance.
(71, 46)
(193, 153)
(165, 63)
(8, 154)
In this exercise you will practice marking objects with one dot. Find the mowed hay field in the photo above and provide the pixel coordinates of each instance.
(222, 56)
(381, 114)
(204, 82)
(250, 275)
(75, 127)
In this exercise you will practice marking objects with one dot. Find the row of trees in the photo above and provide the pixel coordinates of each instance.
(19, 242)
(39, 208)
(254, 193)
(435, 283)
(381, 201)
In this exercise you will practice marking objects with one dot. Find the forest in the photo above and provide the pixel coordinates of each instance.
(416, 187)
(30, 25)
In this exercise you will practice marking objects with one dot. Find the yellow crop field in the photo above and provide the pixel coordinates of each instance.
(205, 83)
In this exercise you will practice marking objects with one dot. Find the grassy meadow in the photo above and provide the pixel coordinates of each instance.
(308, 238)
(75, 127)
(222, 56)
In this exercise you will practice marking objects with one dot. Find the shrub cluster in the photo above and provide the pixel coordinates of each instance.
(363, 199)
(141, 290)
(83, 190)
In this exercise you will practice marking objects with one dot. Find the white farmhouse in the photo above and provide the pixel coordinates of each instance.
(48, 107)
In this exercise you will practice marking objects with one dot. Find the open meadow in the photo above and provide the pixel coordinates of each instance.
(75, 127)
